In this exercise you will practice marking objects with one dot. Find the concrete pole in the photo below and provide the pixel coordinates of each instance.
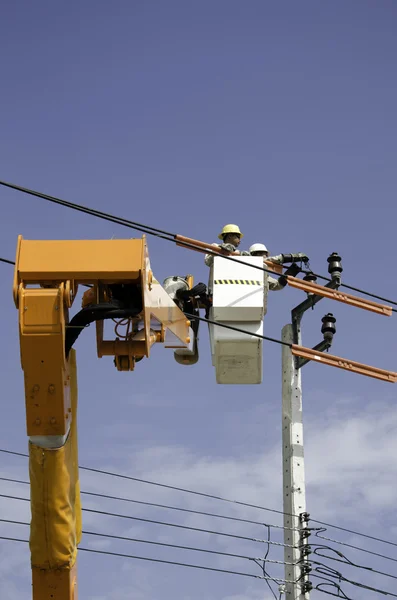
(293, 474)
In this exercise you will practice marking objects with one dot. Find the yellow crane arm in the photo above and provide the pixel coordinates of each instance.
(46, 278)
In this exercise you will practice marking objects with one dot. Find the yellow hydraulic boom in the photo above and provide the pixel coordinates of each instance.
(46, 279)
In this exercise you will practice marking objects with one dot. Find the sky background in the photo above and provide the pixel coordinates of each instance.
(278, 116)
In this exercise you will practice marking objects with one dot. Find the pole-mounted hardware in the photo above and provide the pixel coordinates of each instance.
(328, 329)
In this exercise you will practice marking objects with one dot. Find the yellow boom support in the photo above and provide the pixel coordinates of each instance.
(46, 279)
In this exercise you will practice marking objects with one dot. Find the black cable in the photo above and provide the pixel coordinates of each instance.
(347, 561)
(257, 335)
(5, 260)
(365, 535)
(155, 522)
(128, 539)
(211, 496)
(264, 565)
(355, 547)
(331, 584)
(170, 237)
(161, 233)
(187, 510)
(164, 485)
(330, 572)
(157, 560)
(350, 287)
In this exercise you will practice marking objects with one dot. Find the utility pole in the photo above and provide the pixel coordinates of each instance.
(296, 519)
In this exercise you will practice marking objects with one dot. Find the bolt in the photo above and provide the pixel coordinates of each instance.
(70, 410)
(53, 421)
(67, 416)
(36, 388)
(37, 422)
(51, 389)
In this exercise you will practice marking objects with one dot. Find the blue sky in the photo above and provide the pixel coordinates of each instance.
(277, 116)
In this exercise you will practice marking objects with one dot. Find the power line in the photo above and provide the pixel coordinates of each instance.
(139, 540)
(356, 548)
(228, 500)
(167, 486)
(347, 561)
(330, 572)
(161, 233)
(257, 335)
(365, 535)
(5, 260)
(165, 235)
(165, 523)
(157, 560)
(155, 505)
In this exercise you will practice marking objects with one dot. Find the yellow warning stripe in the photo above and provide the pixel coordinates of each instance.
(237, 281)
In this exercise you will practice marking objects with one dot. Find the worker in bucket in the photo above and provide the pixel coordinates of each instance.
(231, 237)
(280, 283)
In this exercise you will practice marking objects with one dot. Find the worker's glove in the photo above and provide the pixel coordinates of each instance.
(293, 270)
(245, 253)
(292, 258)
(228, 247)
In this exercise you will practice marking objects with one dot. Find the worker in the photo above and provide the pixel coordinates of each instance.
(231, 237)
(280, 283)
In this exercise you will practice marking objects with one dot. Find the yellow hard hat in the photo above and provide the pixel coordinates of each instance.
(230, 229)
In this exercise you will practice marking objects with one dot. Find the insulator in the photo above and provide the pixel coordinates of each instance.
(328, 328)
(334, 265)
(310, 277)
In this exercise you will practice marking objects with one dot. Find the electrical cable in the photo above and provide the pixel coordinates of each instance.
(332, 584)
(156, 560)
(228, 500)
(355, 547)
(330, 572)
(257, 335)
(165, 235)
(5, 260)
(347, 561)
(365, 535)
(161, 233)
(167, 486)
(128, 539)
(263, 565)
(165, 523)
(153, 504)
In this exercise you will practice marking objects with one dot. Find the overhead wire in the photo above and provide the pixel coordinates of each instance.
(165, 523)
(330, 572)
(161, 233)
(167, 545)
(166, 506)
(365, 535)
(168, 236)
(347, 561)
(156, 560)
(322, 537)
(317, 531)
(165, 485)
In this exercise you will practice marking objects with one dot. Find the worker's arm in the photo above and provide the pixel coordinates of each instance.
(209, 259)
(274, 284)
(278, 284)
(281, 259)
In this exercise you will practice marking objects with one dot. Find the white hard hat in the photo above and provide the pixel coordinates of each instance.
(258, 248)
